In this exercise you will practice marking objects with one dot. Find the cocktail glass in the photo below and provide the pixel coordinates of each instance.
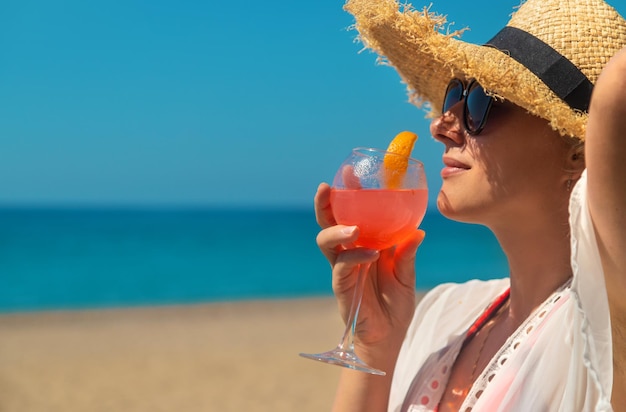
(387, 205)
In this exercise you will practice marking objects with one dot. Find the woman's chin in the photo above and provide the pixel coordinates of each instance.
(457, 211)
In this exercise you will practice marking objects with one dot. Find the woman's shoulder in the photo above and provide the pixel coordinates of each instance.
(450, 308)
(471, 292)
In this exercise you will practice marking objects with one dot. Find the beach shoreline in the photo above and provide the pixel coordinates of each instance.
(226, 356)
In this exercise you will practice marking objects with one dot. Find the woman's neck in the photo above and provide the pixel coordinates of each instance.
(538, 253)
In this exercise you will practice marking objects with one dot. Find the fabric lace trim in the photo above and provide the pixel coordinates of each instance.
(525, 330)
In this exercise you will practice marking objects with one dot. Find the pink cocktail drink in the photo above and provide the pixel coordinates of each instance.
(385, 217)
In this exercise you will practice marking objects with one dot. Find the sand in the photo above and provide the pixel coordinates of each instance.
(214, 357)
(239, 356)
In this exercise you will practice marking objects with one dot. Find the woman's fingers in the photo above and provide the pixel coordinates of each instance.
(345, 264)
(334, 239)
(405, 251)
(350, 179)
(323, 210)
(403, 258)
(400, 259)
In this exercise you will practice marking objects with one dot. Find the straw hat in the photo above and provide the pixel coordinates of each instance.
(545, 60)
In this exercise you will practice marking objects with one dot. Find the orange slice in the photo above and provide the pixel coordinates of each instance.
(395, 166)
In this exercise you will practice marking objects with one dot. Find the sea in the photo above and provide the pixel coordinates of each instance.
(85, 258)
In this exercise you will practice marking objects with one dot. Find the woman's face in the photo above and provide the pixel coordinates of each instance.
(515, 166)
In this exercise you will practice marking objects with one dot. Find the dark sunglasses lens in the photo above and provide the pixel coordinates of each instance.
(454, 93)
(477, 106)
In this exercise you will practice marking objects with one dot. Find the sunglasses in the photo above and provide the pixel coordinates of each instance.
(476, 103)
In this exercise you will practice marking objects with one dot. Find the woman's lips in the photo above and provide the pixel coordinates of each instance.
(453, 167)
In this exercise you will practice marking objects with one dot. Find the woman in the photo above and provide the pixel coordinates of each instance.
(512, 117)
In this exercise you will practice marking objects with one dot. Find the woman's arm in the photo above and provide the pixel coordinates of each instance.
(605, 152)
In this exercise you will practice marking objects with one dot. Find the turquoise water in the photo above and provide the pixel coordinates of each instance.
(88, 258)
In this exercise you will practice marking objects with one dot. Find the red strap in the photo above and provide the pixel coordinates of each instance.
(488, 313)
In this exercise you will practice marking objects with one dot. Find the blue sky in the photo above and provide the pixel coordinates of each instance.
(244, 103)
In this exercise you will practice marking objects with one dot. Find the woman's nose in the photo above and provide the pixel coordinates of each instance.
(448, 127)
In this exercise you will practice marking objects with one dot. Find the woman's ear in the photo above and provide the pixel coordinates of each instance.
(575, 162)
(574, 165)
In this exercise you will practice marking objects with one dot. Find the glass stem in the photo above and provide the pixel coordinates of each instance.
(347, 341)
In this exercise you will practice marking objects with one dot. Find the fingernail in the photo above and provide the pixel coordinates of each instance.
(371, 252)
(348, 230)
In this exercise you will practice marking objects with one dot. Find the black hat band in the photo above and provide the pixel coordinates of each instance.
(555, 70)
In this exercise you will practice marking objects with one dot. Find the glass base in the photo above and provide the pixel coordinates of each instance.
(343, 358)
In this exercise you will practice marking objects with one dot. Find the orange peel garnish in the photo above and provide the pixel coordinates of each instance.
(396, 166)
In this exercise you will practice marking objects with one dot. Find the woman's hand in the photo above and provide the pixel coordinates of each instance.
(389, 296)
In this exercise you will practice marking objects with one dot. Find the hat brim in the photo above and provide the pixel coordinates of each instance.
(426, 57)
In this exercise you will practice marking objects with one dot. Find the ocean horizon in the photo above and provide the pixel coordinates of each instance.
(64, 258)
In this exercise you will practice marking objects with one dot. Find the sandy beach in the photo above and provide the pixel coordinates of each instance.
(240, 356)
